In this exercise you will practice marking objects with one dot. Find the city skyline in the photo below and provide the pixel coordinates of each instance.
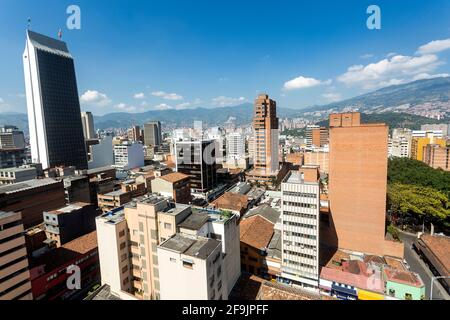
(179, 57)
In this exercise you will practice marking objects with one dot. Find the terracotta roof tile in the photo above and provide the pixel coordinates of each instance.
(440, 246)
(174, 177)
(231, 201)
(256, 232)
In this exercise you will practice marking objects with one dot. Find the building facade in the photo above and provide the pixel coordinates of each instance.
(14, 271)
(54, 116)
(300, 227)
(87, 120)
(129, 155)
(152, 133)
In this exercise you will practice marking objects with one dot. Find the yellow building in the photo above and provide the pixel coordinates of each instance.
(418, 144)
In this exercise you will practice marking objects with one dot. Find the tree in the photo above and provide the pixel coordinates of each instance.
(419, 202)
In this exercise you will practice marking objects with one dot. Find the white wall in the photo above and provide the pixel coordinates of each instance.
(102, 154)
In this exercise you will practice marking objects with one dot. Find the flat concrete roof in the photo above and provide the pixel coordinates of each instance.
(195, 221)
(200, 248)
(29, 184)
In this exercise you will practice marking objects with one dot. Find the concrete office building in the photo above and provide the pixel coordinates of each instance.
(152, 133)
(357, 187)
(54, 116)
(129, 155)
(31, 198)
(436, 127)
(399, 145)
(197, 159)
(300, 227)
(14, 273)
(101, 154)
(11, 138)
(87, 120)
(11, 158)
(15, 175)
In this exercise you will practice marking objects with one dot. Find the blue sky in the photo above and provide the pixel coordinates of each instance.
(144, 55)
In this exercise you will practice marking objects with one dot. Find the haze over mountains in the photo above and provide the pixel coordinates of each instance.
(398, 98)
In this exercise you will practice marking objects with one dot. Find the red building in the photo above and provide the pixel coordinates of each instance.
(49, 272)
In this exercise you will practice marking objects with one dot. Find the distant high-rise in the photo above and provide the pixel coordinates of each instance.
(54, 115)
(87, 121)
(265, 126)
(152, 133)
(316, 136)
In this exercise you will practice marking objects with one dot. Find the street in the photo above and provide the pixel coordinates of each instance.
(418, 266)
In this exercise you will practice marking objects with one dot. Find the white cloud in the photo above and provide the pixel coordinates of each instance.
(140, 95)
(423, 76)
(304, 82)
(434, 47)
(95, 98)
(223, 101)
(125, 107)
(332, 96)
(395, 70)
(163, 106)
(167, 96)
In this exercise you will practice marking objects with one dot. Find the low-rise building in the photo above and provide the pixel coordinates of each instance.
(113, 200)
(403, 285)
(50, 271)
(174, 185)
(31, 198)
(15, 175)
(234, 202)
(70, 222)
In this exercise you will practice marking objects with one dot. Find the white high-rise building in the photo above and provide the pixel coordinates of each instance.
(129, 155)
(54, 115)
(235, 146)
(300, 227)
(400, 143)
(88, 125)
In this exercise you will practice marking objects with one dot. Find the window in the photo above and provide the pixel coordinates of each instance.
(141, 227)
(189, 265)
(122, 234)
(392, 292)
(124, 269)
(408, 296)
(167, 226)
(123, 245)
(173, 260)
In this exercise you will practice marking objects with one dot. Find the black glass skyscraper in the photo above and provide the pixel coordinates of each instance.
(56, 131)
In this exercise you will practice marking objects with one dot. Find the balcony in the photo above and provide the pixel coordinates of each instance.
(10, 232)
(12, 244)
(14, 268)
(13, 256)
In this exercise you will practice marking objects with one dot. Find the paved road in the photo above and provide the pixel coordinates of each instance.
(417, 265)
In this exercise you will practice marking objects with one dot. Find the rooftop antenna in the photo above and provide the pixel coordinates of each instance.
(28, 22)
(60, 34)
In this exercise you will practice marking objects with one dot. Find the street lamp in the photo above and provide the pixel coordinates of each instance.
(432, 280)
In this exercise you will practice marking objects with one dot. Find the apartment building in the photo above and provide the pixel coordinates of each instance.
(421, 139)
(14, 272)
(191, 268)
(399, 145)
(437, 157)
(316, 137)
(192, 253)
(300, 227)
(132, 265)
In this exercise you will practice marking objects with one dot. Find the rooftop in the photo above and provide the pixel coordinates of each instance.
(404, 277)
(266, 211)
(231, 201)
(174, 177)
(26, 185)
(256, 232)
(100, 170)
(48, 44)
(68, 252)
(114, 193)
(175, 209)
(18, 169)
(114, 216)
(195, 221)
(199, 247)
(440, 248)
(103, 293)
(69, 208)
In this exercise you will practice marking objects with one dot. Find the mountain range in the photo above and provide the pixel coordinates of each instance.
(397, 98)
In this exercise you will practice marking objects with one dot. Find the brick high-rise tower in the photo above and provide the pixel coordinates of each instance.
(265, 126)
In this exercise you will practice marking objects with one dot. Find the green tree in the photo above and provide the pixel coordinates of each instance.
(419, 202)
